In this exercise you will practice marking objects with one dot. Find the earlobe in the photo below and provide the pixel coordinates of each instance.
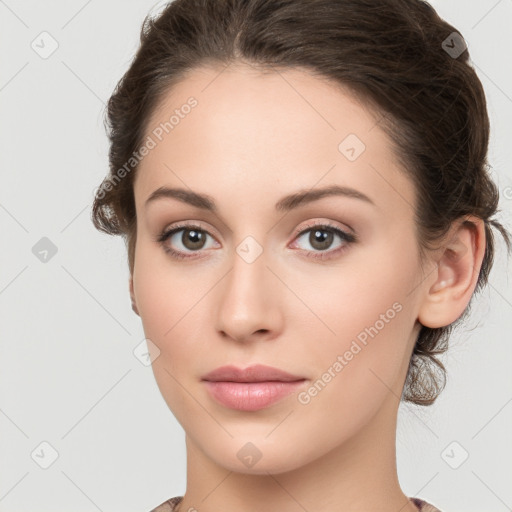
(456, 275)
(132, 296)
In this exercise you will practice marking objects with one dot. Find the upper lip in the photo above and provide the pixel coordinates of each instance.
(255, 373)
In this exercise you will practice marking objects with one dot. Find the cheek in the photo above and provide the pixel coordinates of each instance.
(168, 307)
(164, 294)
(364, 290)
(361, 367)
(171, 303)
(370, 317)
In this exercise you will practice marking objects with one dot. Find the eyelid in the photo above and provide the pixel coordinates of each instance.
(178, 226)
(197, 224)
(323, 223)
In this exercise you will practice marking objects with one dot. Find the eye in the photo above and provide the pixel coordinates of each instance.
(183, 240)
(186, 237)
(320, 237)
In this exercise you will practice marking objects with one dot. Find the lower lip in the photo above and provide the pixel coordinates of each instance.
(251, 396)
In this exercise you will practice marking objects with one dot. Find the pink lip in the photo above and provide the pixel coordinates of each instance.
(252, 388)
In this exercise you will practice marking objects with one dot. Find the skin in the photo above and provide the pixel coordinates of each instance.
(252, 139)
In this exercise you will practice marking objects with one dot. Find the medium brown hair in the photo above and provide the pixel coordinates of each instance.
(393, 54)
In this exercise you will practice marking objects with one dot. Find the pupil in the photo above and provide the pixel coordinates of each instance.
(321, 239)
(194, 239)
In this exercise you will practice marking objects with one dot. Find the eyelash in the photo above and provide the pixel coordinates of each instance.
(348, 238)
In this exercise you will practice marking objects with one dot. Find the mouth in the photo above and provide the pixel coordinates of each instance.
(252, 388)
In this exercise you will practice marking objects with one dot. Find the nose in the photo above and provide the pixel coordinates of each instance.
(248, 304)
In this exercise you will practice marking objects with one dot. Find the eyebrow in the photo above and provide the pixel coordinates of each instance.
(287, 203)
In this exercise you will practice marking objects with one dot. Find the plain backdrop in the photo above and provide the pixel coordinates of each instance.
(73, 396)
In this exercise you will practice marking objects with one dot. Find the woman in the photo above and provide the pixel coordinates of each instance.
(303, 190)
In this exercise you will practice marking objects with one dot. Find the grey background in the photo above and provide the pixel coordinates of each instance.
(68, 375)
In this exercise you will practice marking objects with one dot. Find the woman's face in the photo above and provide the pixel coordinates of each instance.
(267, 280)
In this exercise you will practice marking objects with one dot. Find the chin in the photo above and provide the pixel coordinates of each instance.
(253, 455)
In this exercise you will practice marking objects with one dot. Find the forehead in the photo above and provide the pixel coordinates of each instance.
(238, 101)
(269, 130)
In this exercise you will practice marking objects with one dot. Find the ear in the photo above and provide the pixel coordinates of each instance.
(450, 286)
(132, 296)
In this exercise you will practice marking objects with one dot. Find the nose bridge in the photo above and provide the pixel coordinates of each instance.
(248, 301)
(248, 280)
